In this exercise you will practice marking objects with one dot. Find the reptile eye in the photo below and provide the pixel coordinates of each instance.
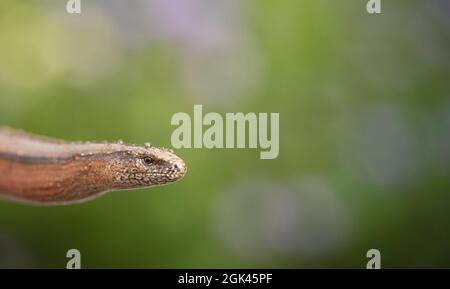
(148, 160)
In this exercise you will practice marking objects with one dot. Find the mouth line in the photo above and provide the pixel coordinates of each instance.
(162, 174)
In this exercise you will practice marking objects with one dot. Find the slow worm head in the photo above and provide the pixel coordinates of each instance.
(36, 169)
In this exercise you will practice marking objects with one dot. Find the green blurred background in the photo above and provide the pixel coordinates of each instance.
(364, 130)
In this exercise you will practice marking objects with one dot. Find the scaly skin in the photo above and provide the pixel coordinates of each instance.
(40, 170)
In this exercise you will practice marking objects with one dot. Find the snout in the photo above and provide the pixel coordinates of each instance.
(175, 168)
(180, 168)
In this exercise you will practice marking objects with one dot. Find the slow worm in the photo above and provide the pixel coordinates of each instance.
(41, 170)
